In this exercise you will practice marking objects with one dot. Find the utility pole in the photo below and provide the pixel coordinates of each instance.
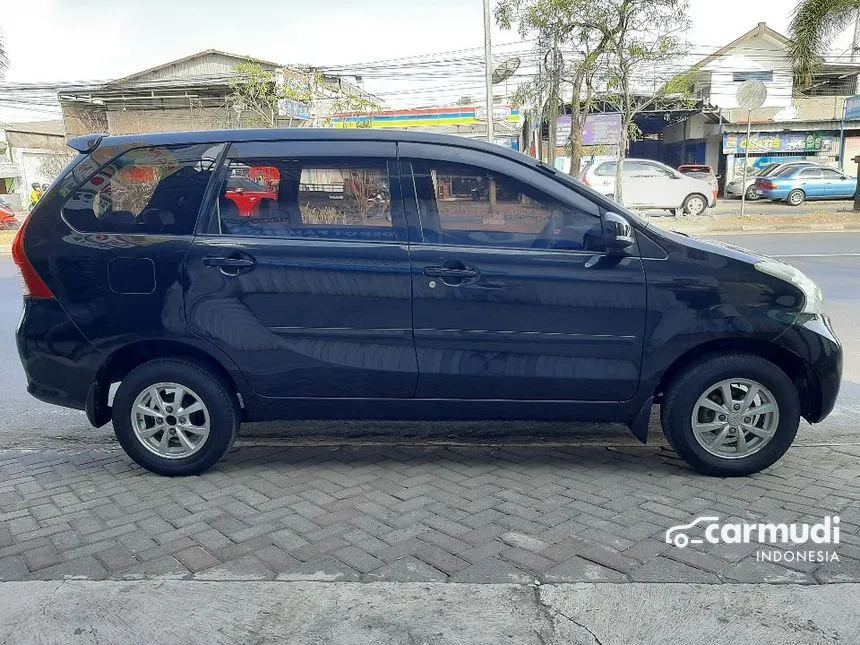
(488, 62)
(855, 47)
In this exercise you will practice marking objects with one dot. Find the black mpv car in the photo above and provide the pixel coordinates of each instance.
(248, 275)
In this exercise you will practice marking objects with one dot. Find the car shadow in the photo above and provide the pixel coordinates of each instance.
(465, 458)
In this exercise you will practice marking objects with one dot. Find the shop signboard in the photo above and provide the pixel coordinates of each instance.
(767, 142)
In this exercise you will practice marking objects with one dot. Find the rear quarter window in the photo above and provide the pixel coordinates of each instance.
(149, 190)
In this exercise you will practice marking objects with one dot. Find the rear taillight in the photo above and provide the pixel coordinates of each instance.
(767, 185)
(34, 286)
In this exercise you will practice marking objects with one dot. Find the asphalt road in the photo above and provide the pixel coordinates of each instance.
(767, 208)
(831, 259)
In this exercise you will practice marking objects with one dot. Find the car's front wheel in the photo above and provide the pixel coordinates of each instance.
(731, 415)
(175, 417)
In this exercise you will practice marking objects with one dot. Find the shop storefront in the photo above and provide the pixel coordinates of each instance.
(764, 148)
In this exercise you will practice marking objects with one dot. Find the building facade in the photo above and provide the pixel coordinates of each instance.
(192, 93)
(32, 152)
(795, 121)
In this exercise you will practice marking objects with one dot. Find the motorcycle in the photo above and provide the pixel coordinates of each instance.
(8, 221)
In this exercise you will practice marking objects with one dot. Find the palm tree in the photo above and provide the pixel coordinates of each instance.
(814, 25)
(4, 61)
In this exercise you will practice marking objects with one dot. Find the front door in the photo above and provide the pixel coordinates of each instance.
(513, 295)
(308, 292)
(837, 185)
(812, 183)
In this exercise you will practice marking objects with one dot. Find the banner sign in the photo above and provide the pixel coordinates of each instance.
(736, 142)
(852, 108)
(600, 129)
(424, 117)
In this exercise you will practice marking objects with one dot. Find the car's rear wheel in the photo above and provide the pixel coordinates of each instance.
(752, 194)
(731, 415)
(796, 197)
(694, 204)
(175, 417)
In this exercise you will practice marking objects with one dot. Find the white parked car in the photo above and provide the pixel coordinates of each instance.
(650, 184)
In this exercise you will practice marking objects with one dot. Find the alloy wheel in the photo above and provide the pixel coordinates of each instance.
(735, 418)
(170, 420)
(695, 206)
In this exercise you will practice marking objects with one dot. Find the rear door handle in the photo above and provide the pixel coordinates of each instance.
(229, 266)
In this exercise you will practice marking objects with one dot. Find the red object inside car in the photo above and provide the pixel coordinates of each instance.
(247, 194)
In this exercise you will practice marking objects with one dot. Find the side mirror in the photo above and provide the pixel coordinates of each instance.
(617, 233)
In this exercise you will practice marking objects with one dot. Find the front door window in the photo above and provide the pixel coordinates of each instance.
(468, 206)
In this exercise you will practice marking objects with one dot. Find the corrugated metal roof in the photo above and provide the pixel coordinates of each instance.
(54, 127)
(210, 62)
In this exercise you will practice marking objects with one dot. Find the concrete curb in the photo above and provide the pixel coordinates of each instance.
(233, 611)
(759, 228)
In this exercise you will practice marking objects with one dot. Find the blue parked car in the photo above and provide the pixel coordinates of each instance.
(796, 184)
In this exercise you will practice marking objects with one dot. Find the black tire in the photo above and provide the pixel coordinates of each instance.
(796, 197)
(685, 389)
(685, 207)
(752, 194)
(214, 392)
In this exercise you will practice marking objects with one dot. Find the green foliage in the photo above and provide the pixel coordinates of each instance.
(814, 25)
(256, 92)
(571, 40)
(4, 60)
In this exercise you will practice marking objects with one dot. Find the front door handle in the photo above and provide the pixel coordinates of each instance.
(229, 266)
(445, 272)
(451, 273)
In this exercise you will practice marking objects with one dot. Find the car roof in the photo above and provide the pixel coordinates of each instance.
(88, 143)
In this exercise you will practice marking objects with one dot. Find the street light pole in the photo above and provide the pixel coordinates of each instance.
(488, 62)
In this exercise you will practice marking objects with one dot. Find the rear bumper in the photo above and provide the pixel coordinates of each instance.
(60, 364)
(773, 194)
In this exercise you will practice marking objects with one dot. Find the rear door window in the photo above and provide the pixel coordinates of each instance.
(311, 198)
(810, 173)
(151, 190)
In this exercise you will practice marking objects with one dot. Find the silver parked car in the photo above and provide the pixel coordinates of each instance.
(650, 184)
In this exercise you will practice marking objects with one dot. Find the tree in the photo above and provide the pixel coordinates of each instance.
(4, 60)
(254, 90)
(51, 165)
(644, 43)
(576, 30)
(257, 93)
(814, 25)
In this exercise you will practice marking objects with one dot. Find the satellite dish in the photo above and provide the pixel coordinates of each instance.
(751, 95)
(504, 71)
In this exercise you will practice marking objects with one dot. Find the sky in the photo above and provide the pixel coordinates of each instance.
(75, 40)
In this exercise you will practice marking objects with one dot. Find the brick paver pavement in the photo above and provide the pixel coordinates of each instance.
(413, 513)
